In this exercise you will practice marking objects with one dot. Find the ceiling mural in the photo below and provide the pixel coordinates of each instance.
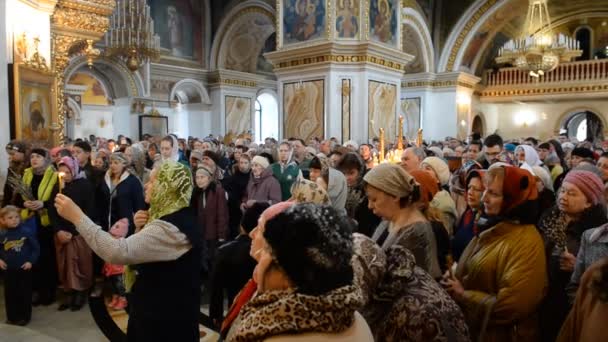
(413, 46)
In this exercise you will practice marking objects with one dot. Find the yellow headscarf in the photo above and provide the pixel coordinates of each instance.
(172, 190)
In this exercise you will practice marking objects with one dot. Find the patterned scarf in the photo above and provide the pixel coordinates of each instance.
(554, 226)
(305, 191)
(172, 190)
(288, 312)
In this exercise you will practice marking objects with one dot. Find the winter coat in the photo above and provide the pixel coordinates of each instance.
(263, 189)
(211, 209)
(79, 191)
(503, 273)
(123, 201)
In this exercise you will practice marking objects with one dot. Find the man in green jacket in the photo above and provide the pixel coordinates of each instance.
(286, 171)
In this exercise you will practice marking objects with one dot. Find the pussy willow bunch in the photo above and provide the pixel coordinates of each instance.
(16, 183)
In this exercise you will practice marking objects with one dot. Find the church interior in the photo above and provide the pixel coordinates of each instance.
(350, 69)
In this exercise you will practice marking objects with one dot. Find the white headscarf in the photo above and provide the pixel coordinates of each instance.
(532, 158)
(175, 151)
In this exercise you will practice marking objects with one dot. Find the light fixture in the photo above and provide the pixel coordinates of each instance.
(131, 34)
(538, 50)
(463, 123)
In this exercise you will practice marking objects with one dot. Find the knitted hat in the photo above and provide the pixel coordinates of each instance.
(251, 216)
(590, 184)
(41, 152)
(391, 179)
(428, 186)
(313, 244)
(71, 164)
(583, 153)
(436, 151)
(85, 146)
(263, 162)
(16, 146)
(510, 147)
(196, 155)
(205, 171)
(275, 209)
(440, 167)
(211, 155)
(120, 157)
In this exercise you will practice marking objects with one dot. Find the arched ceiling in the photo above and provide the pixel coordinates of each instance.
(507, 21)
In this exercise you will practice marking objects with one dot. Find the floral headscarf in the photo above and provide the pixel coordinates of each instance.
(172, 190)
(305, 191)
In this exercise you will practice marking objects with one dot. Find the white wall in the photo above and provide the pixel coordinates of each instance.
(199, 120)
(90, 123)
(542, 119)
(4, 106)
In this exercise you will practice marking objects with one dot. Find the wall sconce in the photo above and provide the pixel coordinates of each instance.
(91, 53)
(525, 118)
(463, 99)
(463, 123)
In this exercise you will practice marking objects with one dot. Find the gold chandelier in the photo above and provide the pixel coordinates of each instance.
(538, 50)
(131, 34)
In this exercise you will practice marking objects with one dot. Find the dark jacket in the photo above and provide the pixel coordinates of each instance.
(212, 212)
(233, 268)
(124, 201)
(79, 191)
(18, 246)
(264, 189)
(165, 299)
(235, 186)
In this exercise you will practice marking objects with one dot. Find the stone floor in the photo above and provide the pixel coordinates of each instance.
(50, 325)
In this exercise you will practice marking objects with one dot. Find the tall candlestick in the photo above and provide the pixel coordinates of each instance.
(419, 140)
(400, 137)
(381, 147)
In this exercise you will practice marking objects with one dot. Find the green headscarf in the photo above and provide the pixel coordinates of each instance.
(172, 190)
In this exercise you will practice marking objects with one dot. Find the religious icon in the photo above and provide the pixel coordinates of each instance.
(382, 24)
(305, 25)
(347, 19)
(304, 20)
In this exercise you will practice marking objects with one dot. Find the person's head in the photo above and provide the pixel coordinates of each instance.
(10, 217)
(474, 149)
(197, 145)
(365, 151)
(492, 147)
(543, 179)
(437, 168)
(325, 147)
(580, 154)
(258, 243)
(299, 147)
(208, 146)
(167, 146)
(390, 189)
(69, 168)
(308, 191)
(543, 151)
(428, 188)
(580, 191)
(351, 166)
(563, 138)
(508, 189)
(238, 152)
(153, 150)
(111, 145)
(101, 162)
(312, 245)
(196, 157)
(16, 151)
(210, 159)
(244, 163)
(335, 157)
(315, 169)
(411, 158)
(475, 189)
(602, 164)
(284, 152)
(118, 164)
(531, 141)
(168, 190)
(39, 158)
(250, 217)
(204, 176)
(258, 165)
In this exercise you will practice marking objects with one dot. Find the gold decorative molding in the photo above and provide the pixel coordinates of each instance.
(466, 30)
(232, 82)
(436, 84)
(76, 19)
(342, 59)
(544, 91)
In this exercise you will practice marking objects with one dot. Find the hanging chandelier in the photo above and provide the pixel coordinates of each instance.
(131, 34)
(538, 50)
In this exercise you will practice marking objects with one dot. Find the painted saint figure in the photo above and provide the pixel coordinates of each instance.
(306, 21)
(382, 23)
(347, 24)
(175, 31)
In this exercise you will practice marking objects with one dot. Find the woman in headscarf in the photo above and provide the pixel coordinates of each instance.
(393, 195)
(467, 228)
(580, 206)
(501, 278)
(546, 195)
(235, 185)
(122, 193)
(165, 252)
(305, 191)
(353, 169)
(332, 180)
(262, 186)
(401, 301)
(169, 148)
(305, 280)
(41, 178)
(528, 155)
(74, 257)
(439, 170)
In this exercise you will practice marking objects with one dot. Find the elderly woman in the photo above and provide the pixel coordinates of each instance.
(393, 194)
(395, 290)
(438, 168)
(305, 280)
(262, 186)
(546, 194)
(136, 155)
(74, 257)
(580, 206)
(305, 191)
(594, 247)
(165, 253)
(525, 154)
(501, 277)
(331, 180)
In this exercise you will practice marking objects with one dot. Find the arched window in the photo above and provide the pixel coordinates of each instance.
(583, 35)
(266, 117)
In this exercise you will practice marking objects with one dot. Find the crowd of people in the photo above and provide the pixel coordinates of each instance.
(483, 240)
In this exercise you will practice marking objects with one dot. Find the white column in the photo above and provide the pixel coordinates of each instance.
(4, 106)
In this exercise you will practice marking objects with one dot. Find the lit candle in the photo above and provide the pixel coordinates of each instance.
(60, 175)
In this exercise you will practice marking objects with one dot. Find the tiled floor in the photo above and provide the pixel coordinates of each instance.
(50, 325)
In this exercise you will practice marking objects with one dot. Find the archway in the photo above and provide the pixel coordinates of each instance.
(477, 126)
(266, 121)
(584, 125)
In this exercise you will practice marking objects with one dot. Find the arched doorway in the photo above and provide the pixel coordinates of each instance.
(584, 125)
(477, 126)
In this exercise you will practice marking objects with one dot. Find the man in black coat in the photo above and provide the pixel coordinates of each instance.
(233, 265)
